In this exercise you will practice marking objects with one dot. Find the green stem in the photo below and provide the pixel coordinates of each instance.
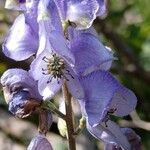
(47, 105)
(69, 117)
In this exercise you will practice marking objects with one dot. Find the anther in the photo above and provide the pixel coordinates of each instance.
(44, 69)
(49, 80)
(70, 75)
(45, 73)
(45, 59)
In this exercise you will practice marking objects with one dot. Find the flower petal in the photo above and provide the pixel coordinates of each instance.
(90, 54)
(21, 42)
(73, 84)
(31, 14)
(133, 138)
(62, 7)
(102, 7)
(18, 102)
(59, 45)
(100, 97)
(48, 89)
(109, 133)
(47, 85)
(74, 33)
(124, 100)
(39, 64)
(48, 14)
(51, 32)
(82, 13)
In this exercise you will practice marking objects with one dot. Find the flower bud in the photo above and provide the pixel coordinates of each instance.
(45, 121)
(39, 142)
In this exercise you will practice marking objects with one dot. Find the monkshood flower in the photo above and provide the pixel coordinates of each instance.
(81, 12)
(110, 133)
(39, 142)
(104, 97)
(50, 69)
(56, 61)
(22, 40)
(20, 92)
(133, 138)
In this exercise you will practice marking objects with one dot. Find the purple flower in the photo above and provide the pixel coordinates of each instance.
(81, 12)
(20, 91)
(39, 142)
(105, 96)
(82, 54)
(50, 69)
(54, 61)
(133, 138)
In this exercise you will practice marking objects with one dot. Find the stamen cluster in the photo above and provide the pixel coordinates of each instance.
(55, 66)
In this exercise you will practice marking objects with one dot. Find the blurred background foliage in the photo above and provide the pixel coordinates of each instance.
(126, 29)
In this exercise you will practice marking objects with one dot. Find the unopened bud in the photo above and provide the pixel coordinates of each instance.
(39, 143)
(45, 121)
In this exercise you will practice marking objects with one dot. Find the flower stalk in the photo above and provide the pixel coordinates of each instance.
(69, 117)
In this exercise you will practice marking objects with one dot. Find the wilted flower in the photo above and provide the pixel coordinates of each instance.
(39, 142)
(20, 91)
